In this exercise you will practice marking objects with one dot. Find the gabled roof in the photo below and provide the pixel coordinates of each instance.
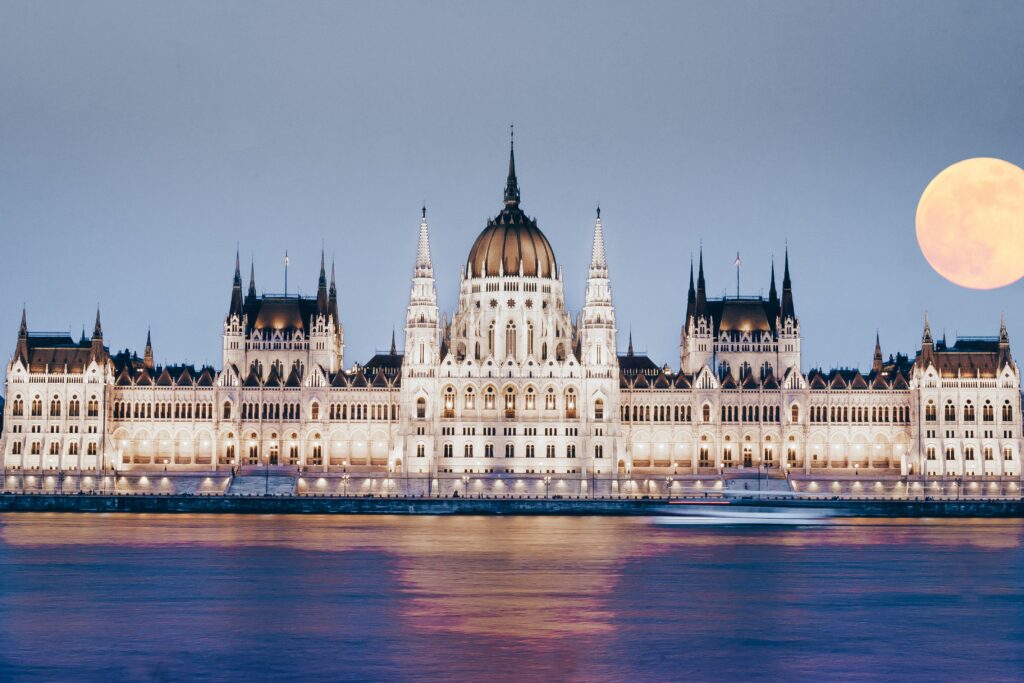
(205, 378)
(770, 382)
(294, 380)
(728, 382)
(339, 380)
(858, 381)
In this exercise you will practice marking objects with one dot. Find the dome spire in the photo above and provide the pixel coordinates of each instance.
(598, 262)
(424, 268)
(512, 185)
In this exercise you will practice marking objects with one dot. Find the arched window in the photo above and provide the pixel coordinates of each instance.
(949, 413)
(470, 399)
(18, 407)
(421, 408)
(968, 412)
(598, 451)
(421, 450)
(987, 412)
(570, 451)
(570, 403)
(490, 339)
(510, 340)
(549, 450)
(449, 402)
(468, 450)
(531, 398)
(37, 407)
(529, 339)
(794, 414)
(314, 411)
(549, 399)
(446, 450)
(227, 410)
(599, 409)
(510, 402)
(706, 410)
(510, 450)
(1007, 412)
(929, 412)
(55, 406)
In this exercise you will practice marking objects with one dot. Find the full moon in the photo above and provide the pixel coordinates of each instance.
(970, 223)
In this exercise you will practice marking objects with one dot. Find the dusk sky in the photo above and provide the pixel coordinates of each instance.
(139, 143)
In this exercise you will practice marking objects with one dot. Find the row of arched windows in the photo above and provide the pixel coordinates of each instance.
(860, 414)
(363, 411)
(139, 410)
(949, 412)
(448, 450)
(56, 407)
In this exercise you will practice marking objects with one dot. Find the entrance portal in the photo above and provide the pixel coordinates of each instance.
(748, 456)
(274, 454)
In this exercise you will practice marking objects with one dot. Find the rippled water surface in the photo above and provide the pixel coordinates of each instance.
(110, 597)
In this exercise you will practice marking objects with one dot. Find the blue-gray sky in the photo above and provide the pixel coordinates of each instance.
(139, 142)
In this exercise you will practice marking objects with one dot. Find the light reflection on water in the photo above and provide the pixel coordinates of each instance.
(586, 598)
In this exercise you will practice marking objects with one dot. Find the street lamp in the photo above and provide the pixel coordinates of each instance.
(547, 486)
(344, 483)
(465, 487)
(668, 487)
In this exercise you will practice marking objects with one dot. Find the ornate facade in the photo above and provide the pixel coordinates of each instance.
(513, 384)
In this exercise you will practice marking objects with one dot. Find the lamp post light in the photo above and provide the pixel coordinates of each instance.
(465, 487)
(547, 486)
(344, 484)
(668, 487)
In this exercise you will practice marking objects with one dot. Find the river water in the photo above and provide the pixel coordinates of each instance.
(168, 597)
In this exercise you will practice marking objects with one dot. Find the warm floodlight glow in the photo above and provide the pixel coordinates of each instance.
(970, 223)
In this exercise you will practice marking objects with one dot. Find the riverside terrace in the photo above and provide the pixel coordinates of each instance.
(289, 483)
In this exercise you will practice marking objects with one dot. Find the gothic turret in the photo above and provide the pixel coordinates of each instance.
(927, 343)
(1004, 344)
(97, 338)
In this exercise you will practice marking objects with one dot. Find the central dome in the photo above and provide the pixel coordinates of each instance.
(511, 240)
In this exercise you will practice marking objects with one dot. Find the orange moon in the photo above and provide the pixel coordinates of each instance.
(970, 223)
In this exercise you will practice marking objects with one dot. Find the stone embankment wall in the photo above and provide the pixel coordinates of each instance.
(82, 502)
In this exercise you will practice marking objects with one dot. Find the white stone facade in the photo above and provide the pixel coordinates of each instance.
(513, 385)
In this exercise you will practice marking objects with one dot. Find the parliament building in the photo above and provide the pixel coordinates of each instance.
(514, 384)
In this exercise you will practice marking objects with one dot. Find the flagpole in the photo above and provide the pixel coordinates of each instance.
(286, 272)
(738, 264)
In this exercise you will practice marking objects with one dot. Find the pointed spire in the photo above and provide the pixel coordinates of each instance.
(21, 352)
(252, 279)
(598, 261)
(394, 348)
(876, 364)
(322, 306)
(1004, 337)
(926, 337)
(147, 358)
(691, 294)
(97, 330)
(512, 184)
(773, 294)
(236, 289)
(629, 349)
(701, 300)
(332, 297)
(424, 267)
(788, 310)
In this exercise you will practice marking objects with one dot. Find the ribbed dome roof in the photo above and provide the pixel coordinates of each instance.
(510, 240)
